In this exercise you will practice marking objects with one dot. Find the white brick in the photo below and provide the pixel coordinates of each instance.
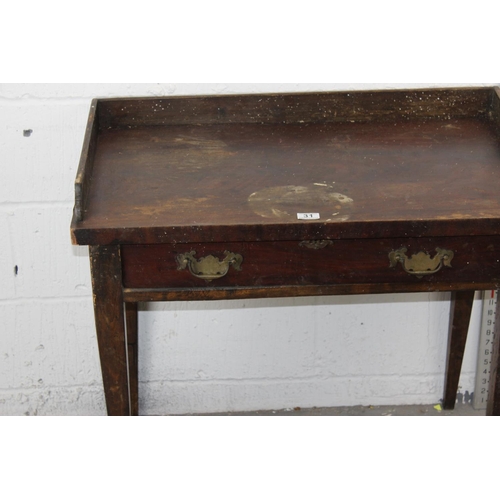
(41, 167)
(7, 261)
(325, 351)
(53, 401)
(166, 398)
(228, 340)
(38, 242)
(48, 344)
(384, 336)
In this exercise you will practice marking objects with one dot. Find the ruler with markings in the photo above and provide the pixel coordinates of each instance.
(487, 335)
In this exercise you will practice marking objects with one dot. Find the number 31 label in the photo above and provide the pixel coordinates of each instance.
(308, 216)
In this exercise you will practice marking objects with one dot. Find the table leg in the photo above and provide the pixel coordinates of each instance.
(133, 355)
(494, 390)
(105, 264)
(461, 309)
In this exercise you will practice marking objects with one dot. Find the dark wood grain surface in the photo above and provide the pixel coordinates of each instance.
(188, 175)
(460, 315)
(314, 107)
(110, 327)
(291, 264)
(493, 408)
(186, 182)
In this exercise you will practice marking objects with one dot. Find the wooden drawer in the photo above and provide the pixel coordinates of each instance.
(293, 263)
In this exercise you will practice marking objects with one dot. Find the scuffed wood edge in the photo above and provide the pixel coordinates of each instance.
(106, 273)
(200, 294)
(495, 108)
(493, 408)
(285, 232)
(314, 107)
(460, 316)
(84, 173)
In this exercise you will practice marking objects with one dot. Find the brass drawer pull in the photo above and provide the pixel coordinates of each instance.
(421, 264)
(209, 268)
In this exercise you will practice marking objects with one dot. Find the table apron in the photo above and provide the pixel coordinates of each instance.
(420, 264)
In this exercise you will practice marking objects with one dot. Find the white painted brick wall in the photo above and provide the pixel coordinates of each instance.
(204, 357)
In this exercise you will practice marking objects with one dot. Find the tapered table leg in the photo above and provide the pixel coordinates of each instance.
(133, 355)
(461, 309)
(493, 409)
(106, 272)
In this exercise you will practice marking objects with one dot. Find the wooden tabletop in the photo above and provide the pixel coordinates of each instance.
(419, 174)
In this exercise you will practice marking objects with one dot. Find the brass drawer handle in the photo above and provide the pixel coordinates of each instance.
(422, 264)
(209, 268)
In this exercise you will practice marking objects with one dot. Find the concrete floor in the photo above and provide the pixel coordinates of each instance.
(462, 410)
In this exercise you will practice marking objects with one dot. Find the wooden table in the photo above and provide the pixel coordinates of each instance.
(235, 197)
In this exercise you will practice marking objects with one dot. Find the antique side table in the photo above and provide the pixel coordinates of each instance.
(231, 197)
